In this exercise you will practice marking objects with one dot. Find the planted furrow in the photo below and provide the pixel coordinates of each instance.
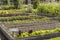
(18, 18)
(13, 14)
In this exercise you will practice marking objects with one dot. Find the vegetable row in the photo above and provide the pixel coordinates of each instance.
(35, 33)
(19, 18)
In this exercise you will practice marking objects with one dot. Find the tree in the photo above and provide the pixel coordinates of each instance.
(8, 1)
(4, 2)
(20, 3)
(15, 2)
(35, 3)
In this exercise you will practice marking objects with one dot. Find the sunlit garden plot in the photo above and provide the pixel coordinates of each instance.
(30, 18)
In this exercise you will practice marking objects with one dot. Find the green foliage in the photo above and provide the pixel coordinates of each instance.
(8, 2)
(57, 30)
(57, 38)
(29, 19)
(18, 17)
(12, 10)
(50, 8)
(15, 4)
(35, 3)
(20, 3)
(40, 32)
(57, 17)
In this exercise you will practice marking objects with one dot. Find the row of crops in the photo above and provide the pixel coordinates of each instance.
(43, 8)
(35, 33)
(23, 16)
(57, 38)
(17, 17)
(22, 19)
(26, 21)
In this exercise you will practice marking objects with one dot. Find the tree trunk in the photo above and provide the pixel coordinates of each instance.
(20, 3)
(15, 2)
(8, 1)
(29, 1)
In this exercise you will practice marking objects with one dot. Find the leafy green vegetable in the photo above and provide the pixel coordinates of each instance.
(40, 32)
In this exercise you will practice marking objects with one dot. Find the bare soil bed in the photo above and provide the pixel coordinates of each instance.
(52, 24)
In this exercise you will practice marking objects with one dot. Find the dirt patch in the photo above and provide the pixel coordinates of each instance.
(36, 25)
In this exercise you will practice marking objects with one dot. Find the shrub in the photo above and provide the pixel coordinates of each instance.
(50, 8)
